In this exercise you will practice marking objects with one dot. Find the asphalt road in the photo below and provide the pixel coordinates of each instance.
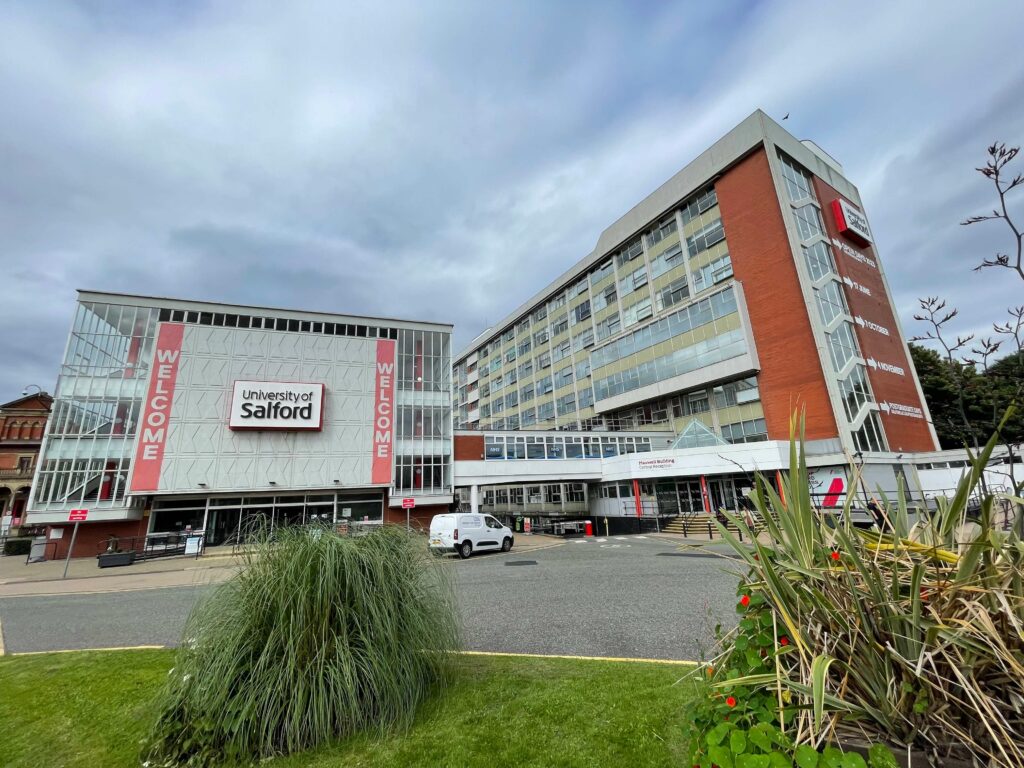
(623, 597)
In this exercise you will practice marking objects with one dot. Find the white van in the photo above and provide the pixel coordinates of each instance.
(466, 534)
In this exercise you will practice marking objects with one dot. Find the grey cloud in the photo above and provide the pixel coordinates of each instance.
(447, 160)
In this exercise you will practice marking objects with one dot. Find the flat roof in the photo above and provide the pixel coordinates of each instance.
(85, 294)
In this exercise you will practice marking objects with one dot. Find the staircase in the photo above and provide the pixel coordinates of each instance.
(696, 526)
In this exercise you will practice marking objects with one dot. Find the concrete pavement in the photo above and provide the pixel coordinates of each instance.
(619, 596)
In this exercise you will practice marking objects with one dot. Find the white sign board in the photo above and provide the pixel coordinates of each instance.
(192, 545)
(277, 405)
(851, 221)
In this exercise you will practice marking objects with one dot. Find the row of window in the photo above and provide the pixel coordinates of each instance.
(562, 447)
(233, 320)
(723, 346)
(687, 319)
(547, 494)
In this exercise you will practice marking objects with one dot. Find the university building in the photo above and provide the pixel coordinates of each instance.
(175, 415)
(650, 381)
(745, 287)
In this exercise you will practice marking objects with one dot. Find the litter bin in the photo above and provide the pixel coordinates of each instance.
(37, 553)
(588, 528)
(519, 525)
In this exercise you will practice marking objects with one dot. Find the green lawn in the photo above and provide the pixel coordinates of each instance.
(90, 709)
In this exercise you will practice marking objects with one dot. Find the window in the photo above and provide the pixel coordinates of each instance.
(543, 360)
(528, 417)
(870, 436)
(511, 399)
(819, 260)
(831, 303)
(855, 392)
(510, 354)
(540, 313)
(545, 412)
(673, 293)
(586, 397)
(632, 281)
(508, 335)
(808, 222)
(579, 289)
(525, 345)
(561, 351)
(544, 385)
(606, 298)
(526, 393)
(737, 392)
(798, 182)
(582, 369)
(526, 369)
(541, 336)
(497, 406)
(629, 252)
(751, 431)
(567, 403)
(698, 204)
(523, 326)
(705, 237)
(608, 327)
(560, 325)
(666, 261)
(563, 377)
(556, 302)
(601, 272)
(711, 274)
(581, 312)
(511, 377)
(665, 228)
(842, 346)
(698, 402)
(634, 314)
(583, 340)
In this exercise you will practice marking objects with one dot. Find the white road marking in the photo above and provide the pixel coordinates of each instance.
(600, 541)
(640, 537)
(619, 538)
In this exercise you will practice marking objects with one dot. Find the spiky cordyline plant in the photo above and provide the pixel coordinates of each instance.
(317, 637)
(914, 635)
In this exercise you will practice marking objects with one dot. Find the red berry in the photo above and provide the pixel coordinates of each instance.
(745, 601)
(835, 555)
(731, 701)
(783, 640)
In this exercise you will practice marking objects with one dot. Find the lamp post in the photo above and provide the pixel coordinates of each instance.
(39, 390)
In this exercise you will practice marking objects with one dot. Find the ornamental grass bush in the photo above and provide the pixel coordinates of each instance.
(317, 637)
(912, 636)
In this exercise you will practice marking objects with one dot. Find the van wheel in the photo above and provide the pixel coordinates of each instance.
(465, 550)
(506, 545)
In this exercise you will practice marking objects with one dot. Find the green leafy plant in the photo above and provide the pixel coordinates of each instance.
(317, 637)
(914, 636)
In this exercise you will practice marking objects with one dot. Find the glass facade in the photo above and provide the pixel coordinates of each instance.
(90, 438)
(91, 433)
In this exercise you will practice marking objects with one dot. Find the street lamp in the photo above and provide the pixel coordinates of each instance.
(39, 390)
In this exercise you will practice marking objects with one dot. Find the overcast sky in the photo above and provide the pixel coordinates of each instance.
(444, 161)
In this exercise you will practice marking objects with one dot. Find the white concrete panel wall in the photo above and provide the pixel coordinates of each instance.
(200, 447)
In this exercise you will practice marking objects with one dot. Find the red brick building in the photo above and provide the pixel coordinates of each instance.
(22, 424)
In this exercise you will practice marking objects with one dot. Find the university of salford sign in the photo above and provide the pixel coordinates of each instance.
(279, 405)
(851, 222)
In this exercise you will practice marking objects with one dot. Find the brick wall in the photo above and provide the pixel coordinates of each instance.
(92, 537)
(791, 376)
(469, 447)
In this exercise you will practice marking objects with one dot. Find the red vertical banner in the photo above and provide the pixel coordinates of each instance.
(383, 413)
(636, 495)
(156, 410)
(705, 497)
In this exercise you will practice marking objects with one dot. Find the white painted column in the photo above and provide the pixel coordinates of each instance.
(474, 499)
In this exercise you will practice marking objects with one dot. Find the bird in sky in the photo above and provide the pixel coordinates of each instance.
(786, 117)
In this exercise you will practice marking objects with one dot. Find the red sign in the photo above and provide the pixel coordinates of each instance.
(78, 515)
(383, 413)
(149, 453)
(408, 503)
(851, 222)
